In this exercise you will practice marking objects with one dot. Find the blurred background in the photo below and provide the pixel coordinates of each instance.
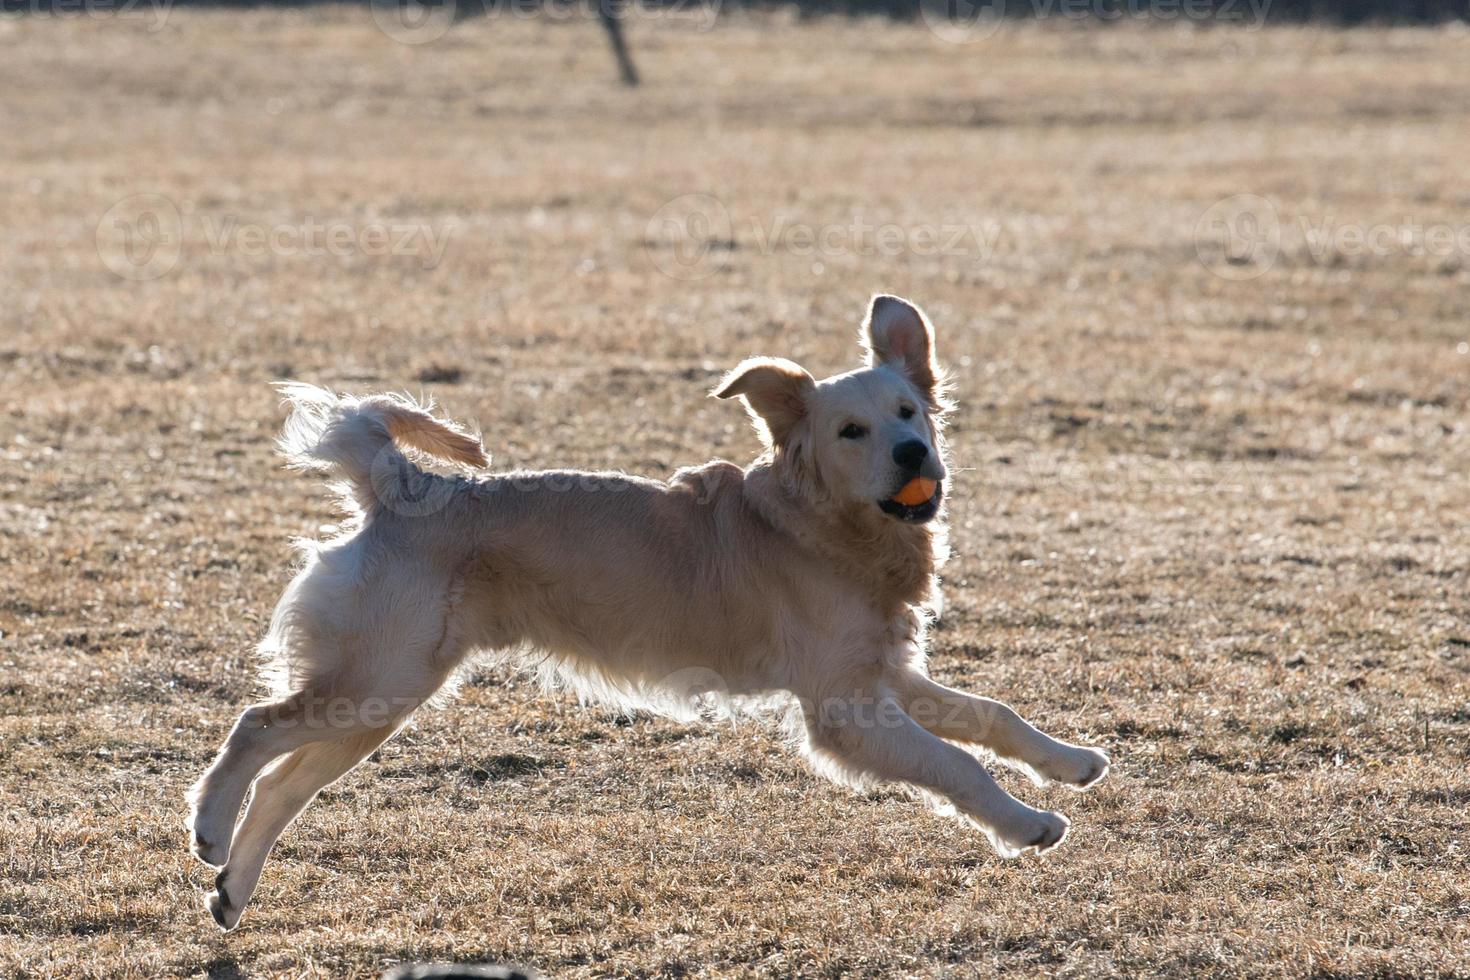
(1199, 271)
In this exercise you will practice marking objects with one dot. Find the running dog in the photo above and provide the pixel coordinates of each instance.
(798, 578)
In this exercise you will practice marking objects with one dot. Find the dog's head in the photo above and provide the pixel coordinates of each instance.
(859, 438)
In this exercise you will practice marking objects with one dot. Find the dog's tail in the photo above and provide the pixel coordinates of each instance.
(357, 439)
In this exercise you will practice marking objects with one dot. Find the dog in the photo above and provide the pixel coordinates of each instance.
(799, 578)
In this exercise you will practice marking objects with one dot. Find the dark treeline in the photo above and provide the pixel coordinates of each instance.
(1336, 12)
(1248, 12)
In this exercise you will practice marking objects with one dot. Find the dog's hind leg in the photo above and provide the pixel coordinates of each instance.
(963, 717)
(868, 735)
(262, 733)
(401, 645)
(280, 794)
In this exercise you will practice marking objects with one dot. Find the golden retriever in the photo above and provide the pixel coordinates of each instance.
(798, 578)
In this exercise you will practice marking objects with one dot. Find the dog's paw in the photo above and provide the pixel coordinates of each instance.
(1081, 768)
(212, 854)
(211, 847)
(1034, 832)
(225, 912)
(1071, 765)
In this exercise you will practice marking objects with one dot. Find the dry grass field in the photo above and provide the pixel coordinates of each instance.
(1209, 514)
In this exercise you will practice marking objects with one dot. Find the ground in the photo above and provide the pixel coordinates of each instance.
(1210, 507)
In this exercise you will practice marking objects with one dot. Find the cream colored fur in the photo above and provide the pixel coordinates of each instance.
(794, 579)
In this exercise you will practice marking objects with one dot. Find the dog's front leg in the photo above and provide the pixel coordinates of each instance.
(868, 735)
(981, 721)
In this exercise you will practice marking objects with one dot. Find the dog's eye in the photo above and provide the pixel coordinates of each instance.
(852, 431)
(904, 412)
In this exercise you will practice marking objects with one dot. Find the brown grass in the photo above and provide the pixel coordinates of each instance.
(1218, 526)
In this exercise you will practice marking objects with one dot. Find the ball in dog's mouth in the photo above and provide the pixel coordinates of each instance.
(915, 502)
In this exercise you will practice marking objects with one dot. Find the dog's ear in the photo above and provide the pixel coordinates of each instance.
(897, 332)
(776, 391)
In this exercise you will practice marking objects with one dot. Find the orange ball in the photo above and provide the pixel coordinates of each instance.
(915, 492)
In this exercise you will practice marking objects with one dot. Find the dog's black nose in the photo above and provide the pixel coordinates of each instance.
(911, 454)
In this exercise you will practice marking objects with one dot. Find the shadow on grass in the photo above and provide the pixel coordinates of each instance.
(223, 968)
